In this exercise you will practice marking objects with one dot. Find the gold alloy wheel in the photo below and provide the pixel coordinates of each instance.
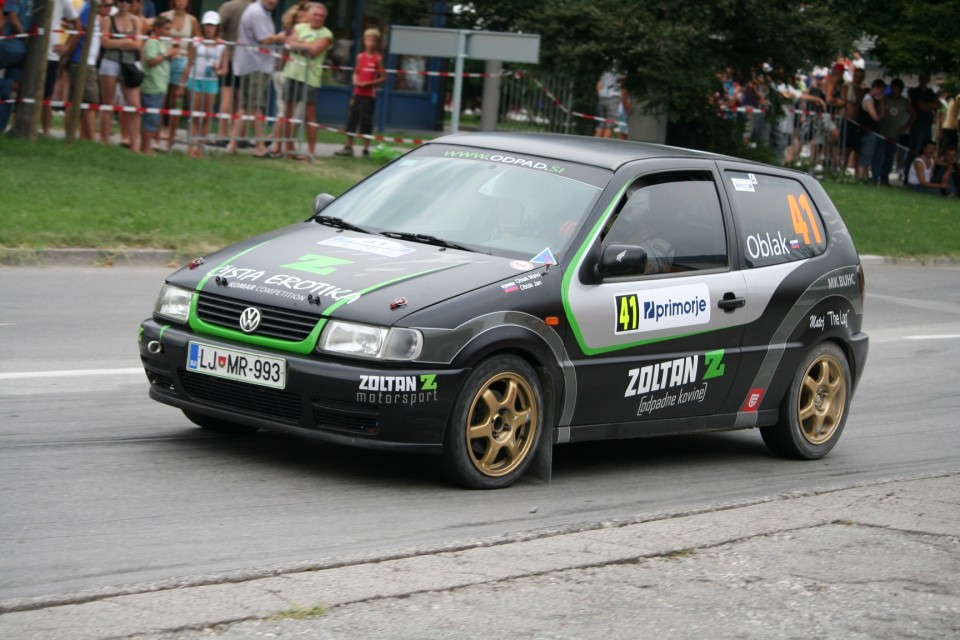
(822, 399)
(502, 424)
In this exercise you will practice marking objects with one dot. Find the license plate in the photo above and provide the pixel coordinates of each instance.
(237, 365)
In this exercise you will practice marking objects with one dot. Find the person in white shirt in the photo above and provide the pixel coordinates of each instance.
(920, 175)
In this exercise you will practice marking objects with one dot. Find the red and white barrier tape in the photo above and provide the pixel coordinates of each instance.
(86, 106)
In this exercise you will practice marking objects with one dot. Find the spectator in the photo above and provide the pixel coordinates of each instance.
(253, 68)
(608, 99)
(948, 132)
(146, 23)
(368, 73)
(121, 43)
(308, 46)
(851, 136)
(157, 54)
(230, 14)
(897, 117)
(816, 124)
(948, 170)
(858, 61)
(920, 174)
(790, 119)
(925, 105)
(18, 15)
(91, 85)
(58, 54)
(870, 162)
(750, 97)
(834, 90)
(185, 27)
(623, 115)
(293, 16)
(206, 64)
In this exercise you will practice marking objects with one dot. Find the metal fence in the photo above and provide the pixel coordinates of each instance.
(525, 105)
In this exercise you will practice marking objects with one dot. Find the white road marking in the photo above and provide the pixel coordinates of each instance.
(74, 373)
(69, 374)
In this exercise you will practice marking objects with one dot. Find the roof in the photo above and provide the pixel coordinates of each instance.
(600, 152)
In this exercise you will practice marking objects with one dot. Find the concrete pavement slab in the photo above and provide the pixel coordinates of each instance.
(887, 551)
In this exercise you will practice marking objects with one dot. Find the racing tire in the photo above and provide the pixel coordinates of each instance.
(218, 425)
(814, 411)
(495, 425)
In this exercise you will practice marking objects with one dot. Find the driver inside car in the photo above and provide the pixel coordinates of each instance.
(636, 225)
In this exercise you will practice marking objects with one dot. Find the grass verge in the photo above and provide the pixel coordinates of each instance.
(88, 195)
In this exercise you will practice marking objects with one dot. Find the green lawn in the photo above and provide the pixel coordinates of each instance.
(87, 195)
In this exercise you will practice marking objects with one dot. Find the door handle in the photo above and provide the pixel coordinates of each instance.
(731, 302)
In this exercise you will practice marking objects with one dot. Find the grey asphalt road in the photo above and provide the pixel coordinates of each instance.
(103, 491)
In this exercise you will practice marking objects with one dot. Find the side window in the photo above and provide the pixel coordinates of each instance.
(778, 220)
(676, 218)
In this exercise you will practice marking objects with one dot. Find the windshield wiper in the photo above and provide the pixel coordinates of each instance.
(425, 239)
(339, 223)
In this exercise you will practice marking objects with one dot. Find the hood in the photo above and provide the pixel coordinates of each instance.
(343, 274)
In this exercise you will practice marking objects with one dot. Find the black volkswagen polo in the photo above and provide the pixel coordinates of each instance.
(488, 296)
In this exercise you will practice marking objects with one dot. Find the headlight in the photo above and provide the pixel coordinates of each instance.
(173, 303)
(370, 342)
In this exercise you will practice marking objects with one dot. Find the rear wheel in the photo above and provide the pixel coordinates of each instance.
(218, 425)
(495, 425)
(815, 409)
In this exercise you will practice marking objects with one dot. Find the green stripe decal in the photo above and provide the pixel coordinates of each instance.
(571, 273)
(362, 292)
(575, 268)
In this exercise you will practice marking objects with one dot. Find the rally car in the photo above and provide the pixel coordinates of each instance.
(488, 296)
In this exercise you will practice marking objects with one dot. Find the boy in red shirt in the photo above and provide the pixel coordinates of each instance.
(367, 74)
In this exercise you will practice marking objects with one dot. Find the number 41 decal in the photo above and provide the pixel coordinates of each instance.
(799, 224)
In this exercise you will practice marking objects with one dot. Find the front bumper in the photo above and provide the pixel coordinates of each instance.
(324, 398)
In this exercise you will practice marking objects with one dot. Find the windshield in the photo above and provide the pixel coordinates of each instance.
(480, 200)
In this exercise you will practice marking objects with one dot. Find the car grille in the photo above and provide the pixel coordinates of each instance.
(272, 403)
(274, 322)
(345, 417)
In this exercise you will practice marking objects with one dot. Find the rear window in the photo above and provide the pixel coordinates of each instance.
(778, 219)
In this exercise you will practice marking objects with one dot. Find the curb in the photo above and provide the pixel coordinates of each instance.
(91, 257)
(15, 257)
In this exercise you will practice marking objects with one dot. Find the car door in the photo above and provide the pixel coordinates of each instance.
(661, 342)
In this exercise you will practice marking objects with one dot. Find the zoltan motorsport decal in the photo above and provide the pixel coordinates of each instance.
(679, 379)
(404, 390)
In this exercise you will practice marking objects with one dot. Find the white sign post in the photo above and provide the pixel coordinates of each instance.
(460, 44)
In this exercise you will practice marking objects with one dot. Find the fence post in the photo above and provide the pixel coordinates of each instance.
(490, 105)
(27, 121)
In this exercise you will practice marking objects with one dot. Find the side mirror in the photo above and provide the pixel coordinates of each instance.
(321, 201)
(622, 260)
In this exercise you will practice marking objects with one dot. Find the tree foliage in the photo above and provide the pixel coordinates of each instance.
(921, 36)
(672, 51)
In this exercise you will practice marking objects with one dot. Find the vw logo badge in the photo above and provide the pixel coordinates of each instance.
(250, 319)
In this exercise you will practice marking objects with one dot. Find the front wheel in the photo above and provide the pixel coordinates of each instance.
(495, 425)
(815, 409)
